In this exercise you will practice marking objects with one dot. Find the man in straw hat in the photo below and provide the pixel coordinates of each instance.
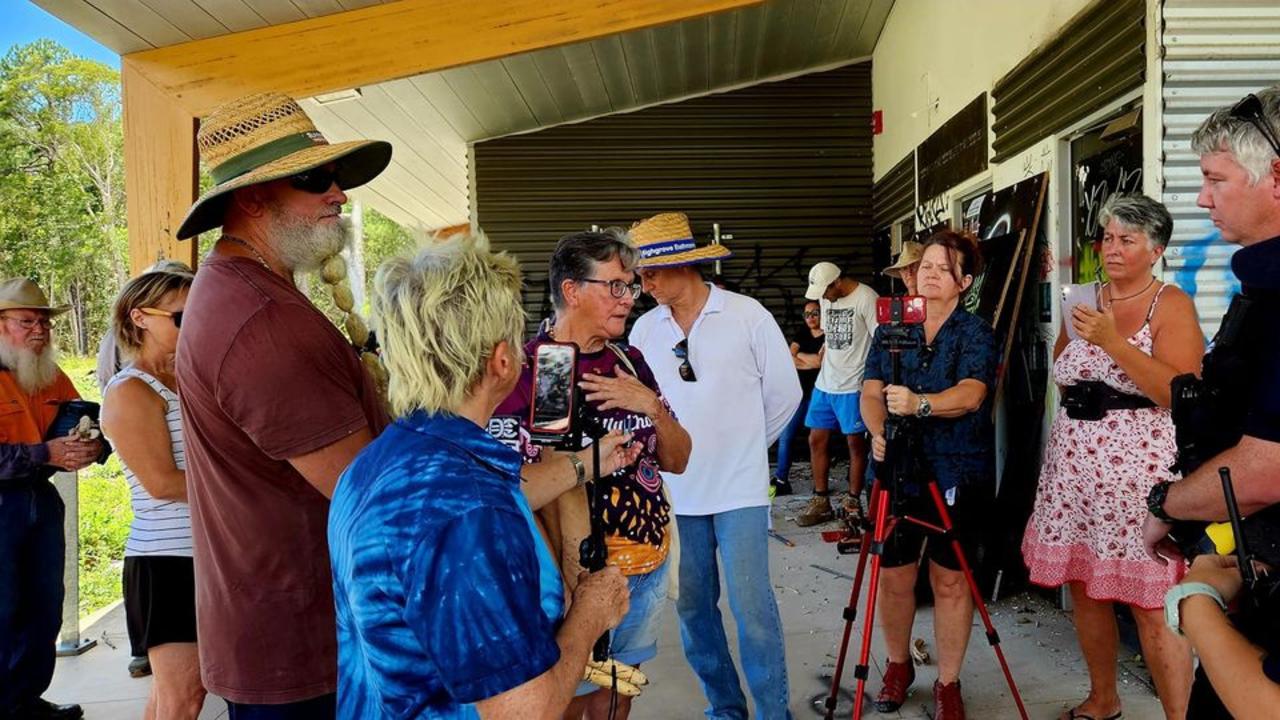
(726, 370)
(907, 264)
(848, 320)
(275, 402)
(32, 544)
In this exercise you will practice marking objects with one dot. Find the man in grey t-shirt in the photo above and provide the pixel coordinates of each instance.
(849, 320)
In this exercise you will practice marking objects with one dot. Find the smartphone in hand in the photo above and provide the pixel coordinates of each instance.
(1083, 294)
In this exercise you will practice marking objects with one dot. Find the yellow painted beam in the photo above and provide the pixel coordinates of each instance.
(160, 172)
(390, 41)
(167, 89)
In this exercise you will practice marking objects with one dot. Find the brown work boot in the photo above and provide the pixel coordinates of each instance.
(897, 681)
(947, 703)
(817, 511)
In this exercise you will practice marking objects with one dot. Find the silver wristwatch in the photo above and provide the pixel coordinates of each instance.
(925, 409)
(578, 468)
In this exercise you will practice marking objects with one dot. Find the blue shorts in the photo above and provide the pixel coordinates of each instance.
(635, 640)
(835, 411)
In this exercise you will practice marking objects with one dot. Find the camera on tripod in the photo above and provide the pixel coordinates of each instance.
(901, 320)
(897, 315)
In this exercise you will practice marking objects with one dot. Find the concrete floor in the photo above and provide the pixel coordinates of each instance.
(812, 584)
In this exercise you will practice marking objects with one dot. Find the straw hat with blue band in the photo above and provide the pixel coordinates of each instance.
(267, 137)
(666, 240)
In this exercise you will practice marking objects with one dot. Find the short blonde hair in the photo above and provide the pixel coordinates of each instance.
(144, 291)
(439, 315)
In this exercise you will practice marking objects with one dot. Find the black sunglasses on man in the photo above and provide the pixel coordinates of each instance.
(681, 350)
(316, 180)
(1250, 110)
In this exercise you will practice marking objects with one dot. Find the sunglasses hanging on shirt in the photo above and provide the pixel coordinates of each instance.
(681, 350)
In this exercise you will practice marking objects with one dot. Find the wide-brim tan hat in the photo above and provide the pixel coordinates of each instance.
(666, 240)
(22, 294)
(911, 254)
(267, 137)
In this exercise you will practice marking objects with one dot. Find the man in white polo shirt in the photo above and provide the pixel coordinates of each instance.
(726, 370)
(849, 321)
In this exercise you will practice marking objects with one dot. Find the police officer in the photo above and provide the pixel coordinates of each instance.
(1240, 162)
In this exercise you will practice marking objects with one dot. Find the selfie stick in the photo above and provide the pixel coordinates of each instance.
(593, 553)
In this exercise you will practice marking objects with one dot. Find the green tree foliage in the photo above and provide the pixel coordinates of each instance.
(383, 238)
(62, 218)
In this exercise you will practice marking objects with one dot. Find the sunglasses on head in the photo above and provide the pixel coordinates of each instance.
(1250, 110)
(681, 350)
(315, 181)
(175, 315)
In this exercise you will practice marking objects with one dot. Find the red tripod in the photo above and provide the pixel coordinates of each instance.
(902, 461)
(873, 544)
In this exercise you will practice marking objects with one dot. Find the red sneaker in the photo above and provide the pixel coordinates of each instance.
(947, 703)
(897, 680)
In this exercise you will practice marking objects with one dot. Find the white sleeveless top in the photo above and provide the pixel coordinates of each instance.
(160, 527)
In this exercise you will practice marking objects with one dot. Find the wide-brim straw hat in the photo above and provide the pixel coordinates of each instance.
(666, 240)
(911, 254)
(22, 294)
(267, 137)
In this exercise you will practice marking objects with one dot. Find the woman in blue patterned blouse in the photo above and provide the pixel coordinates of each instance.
(945, 383)
(448, 603)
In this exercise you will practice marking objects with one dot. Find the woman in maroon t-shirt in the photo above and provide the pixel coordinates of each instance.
(593, 289)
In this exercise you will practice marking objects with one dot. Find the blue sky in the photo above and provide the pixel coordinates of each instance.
(24, 22)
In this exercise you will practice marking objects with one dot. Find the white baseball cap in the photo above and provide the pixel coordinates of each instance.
(820, 276)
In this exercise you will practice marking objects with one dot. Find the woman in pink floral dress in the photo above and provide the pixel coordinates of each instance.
(1085, 530)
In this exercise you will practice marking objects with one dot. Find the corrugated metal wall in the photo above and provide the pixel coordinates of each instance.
(894, 195)
(784, 167)
(1094, 59)
(1215, 51)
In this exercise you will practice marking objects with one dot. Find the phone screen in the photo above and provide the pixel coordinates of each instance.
(553, 388)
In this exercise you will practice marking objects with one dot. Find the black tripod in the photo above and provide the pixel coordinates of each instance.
(901, 463)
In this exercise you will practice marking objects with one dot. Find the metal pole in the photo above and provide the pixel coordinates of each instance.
(69, 640)
(715, 240)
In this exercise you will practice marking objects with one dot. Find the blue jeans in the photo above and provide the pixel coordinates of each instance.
(741, 536)
(635, 640)
(32, 556)
(788, 434)
(319, 708)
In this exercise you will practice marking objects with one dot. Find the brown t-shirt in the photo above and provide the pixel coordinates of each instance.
(264, 377)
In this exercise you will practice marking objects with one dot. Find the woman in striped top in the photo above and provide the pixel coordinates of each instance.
(140, 415)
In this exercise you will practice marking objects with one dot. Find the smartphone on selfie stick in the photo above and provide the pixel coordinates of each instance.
(558, 418)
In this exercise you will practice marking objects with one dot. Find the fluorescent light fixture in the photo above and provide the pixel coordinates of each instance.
(337, 97)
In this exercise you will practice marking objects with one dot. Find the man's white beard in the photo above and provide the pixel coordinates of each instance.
(302, 246)
(33, 371)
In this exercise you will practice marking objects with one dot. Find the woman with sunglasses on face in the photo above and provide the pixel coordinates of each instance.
(945, 387)
(806, 349)
(593, 289)
(141, 417)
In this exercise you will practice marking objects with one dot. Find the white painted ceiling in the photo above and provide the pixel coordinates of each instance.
(431, 119)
